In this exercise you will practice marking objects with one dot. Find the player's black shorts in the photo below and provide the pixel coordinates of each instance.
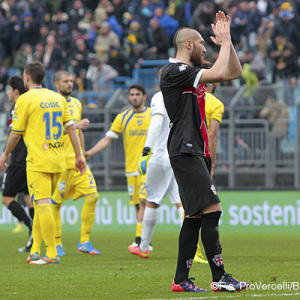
(196, 190)
(14, 181)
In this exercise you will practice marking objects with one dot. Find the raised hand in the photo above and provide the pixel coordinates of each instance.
(221, 29)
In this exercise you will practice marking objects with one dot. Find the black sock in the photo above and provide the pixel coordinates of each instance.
(188, 239)
(31, 213)
(18, 211)
(211, 243)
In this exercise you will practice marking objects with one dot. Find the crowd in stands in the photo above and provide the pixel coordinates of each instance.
(97, 40)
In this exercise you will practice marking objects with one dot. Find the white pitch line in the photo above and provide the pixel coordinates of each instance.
(237, 296)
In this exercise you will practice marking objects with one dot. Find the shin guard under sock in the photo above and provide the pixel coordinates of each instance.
(211, 243)
(188, 239)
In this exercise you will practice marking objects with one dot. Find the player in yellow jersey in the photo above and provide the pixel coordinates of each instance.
(71, 184)
(133, 123)
(214, 110)
(40, 116)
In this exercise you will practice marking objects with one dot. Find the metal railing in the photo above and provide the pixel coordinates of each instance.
(248, 155)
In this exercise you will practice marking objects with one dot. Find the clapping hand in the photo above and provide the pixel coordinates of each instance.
(221, 29)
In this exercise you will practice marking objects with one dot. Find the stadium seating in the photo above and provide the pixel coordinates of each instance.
(148, 77)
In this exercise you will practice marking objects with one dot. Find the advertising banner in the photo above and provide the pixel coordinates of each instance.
(243, 211)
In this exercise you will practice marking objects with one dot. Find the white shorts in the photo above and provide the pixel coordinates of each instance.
(160, 181)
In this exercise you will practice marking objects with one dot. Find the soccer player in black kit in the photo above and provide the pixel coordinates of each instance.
(183, 87)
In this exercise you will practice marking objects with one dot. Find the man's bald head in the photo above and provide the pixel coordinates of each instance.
(182, 35)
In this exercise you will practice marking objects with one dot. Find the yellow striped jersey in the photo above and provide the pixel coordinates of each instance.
(134, 127)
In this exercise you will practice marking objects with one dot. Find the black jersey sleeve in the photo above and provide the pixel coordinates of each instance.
(174, 79)
(179, 75)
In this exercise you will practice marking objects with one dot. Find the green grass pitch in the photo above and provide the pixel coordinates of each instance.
(262, 259)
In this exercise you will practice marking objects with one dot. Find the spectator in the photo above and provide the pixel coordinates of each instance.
(240, 24)
(120, 7)
(4, 36)
(264, 7)
(14, 32)
(39, 52)
(145, 13)
(120, 61)
(254, 20)
(85, 23)
(263, 37)
(289, 65)
(168, 23)
(44, 32)
(10, 8)
(29, 29)
(58, 19)
(288, 28)
(100, 74)
(104, 41)
(79, 58)
(115, 26)
(92, 34)
(23, 57)
(176, 10)
(104, 8)
(276, 54)
(141, 53)
(64, 39)
(158, 40)
(254, 71)
(53, 60)
(82, 83)
(22, 6)
(202, 18)
(3, 77)
(276, 113)
(77, 13)
(154, 4)
(135, 35)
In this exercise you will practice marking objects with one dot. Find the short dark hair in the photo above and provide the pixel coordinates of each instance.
(36, 71)
(59, 74)
(137, 86)
(17, 83)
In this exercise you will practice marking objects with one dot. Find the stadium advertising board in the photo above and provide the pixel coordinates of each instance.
(251, 212)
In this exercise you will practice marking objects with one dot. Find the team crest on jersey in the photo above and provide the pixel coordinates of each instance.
(130, 189)
(62, 186)
(182, 67)
(189, 263)
(218, 260)
(200, 91)
(140, 122)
